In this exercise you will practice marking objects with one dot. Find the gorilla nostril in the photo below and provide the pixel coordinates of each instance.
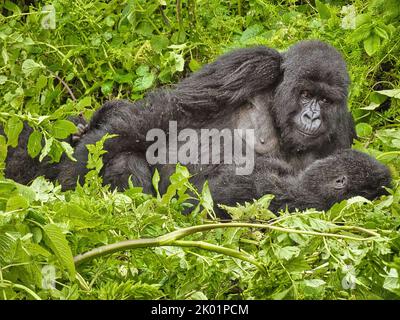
(310, 121)
(309, 117)
(306, 117)
(315, 116)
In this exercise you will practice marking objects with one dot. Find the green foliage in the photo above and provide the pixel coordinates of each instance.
(93, 180)
(100, 50)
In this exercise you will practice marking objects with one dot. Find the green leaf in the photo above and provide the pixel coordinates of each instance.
(323, 10)
(144, 83)
(41, 83)
(159, 43)
(107, 87)
(357, 199)
(155, 181)
(381, 32)
(26, 192)
(69, 151)
(393, 93)
(4, 55)
(78, 217)
(363, 19)
(17, 203)
(3, 149)
(251, 32)
(371, 106)
(363, 129)
(62, 129)
(13, 129)
(392, 282)
(29, 67)
(46, 149)
(287, 253)
(85, 102)
(371, 44)
(206, 198)
(142, 70)
(179, 61)
(123, 78)
(376, 97)
(314, 283)
(34, 143)
(280, 295)
(194, 65)
(361, 33)
(3, 79)
(56, 240)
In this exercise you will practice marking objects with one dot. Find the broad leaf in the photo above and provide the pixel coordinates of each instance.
(56, 240)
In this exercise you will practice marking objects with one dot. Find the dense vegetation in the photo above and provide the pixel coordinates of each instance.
(99, 50)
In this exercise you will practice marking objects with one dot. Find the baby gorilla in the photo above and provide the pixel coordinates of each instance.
(327, 181)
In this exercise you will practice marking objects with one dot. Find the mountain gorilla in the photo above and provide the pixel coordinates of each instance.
(295, 102)
(343, 175)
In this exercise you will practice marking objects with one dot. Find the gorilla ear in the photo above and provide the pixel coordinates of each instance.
(340, 182)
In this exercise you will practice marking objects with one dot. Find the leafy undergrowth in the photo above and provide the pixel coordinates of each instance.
(119, 49)
(351, 251)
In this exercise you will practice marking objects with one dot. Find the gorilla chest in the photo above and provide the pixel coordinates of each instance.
(249, 129)
(255, 117)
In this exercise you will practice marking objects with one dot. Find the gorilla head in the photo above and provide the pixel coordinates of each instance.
(344, 175)
(341, 176)
(309, 107)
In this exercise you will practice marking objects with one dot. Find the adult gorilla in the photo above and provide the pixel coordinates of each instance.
(295, 102)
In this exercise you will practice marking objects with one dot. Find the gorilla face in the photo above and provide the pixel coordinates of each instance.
(310, 107)
(344, 175)
(308, 120)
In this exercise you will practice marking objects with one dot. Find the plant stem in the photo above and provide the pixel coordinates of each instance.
(239, 3)
(65, 86)
(382, 155)
(170, 239)
(219, 249)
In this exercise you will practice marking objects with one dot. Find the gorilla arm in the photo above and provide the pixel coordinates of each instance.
(218, 88)
(230, 81)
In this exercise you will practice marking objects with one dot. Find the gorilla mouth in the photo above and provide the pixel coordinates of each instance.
(311, 134)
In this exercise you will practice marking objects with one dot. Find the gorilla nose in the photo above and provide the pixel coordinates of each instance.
(310, 116)
(311, 120)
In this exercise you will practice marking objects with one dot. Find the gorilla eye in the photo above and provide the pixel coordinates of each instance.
(305, 94)
(325, 100)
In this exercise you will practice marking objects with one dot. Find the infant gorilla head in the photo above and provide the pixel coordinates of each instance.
(325, 182)
(344, 175)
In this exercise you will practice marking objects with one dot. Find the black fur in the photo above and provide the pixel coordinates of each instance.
(314, 187)
(254, 88)
(216, 95)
